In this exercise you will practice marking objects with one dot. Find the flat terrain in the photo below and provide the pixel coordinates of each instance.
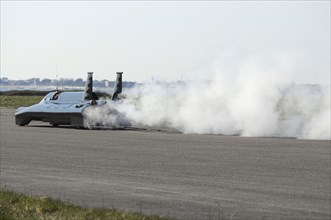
(167, 173)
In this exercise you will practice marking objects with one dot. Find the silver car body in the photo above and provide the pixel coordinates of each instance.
(67, 108)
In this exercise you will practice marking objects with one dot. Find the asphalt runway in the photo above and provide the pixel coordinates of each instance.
(168, 173)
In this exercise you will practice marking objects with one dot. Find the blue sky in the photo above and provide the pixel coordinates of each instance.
(163, 40)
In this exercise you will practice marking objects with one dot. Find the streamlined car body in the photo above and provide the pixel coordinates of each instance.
(70, 108)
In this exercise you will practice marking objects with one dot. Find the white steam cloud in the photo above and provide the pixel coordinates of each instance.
(247, 109)
(249, 101)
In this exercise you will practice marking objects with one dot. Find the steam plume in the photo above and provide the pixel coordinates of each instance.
(248, 100)
(258, 109)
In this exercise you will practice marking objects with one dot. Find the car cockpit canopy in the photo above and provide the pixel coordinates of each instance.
(67, 97)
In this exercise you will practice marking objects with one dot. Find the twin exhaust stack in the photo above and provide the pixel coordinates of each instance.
(88, 87)
(88, 91)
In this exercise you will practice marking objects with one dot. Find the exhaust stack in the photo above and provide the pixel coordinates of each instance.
(88, 86)
(118, 86)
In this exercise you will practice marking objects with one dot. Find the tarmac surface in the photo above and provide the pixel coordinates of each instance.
(168, 173)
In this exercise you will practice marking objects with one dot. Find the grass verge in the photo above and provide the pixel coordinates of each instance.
(14, 206)
(24, 93)
(16, 101)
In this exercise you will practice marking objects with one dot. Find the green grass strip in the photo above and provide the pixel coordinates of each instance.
(14, 206)
(17, 101)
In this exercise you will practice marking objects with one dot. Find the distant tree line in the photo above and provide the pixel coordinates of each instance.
(4, 81)
(41, 93)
